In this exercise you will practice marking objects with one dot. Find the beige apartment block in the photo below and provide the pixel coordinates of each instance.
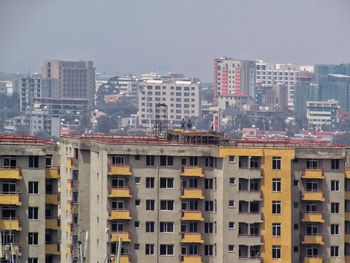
(199, 197)
(29, 199)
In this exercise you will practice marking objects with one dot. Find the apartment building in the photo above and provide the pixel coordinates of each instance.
(29, 200)
(76, 79)
(197, 197)
(180, 94)
(233, 77)
(322, 113)
(271, 73)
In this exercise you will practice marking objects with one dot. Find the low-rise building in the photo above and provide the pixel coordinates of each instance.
(323, 114)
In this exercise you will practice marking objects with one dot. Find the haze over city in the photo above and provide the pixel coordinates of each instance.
(178, 36)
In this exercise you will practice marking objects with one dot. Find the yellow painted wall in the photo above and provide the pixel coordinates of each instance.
(285, 218)
(285, 196)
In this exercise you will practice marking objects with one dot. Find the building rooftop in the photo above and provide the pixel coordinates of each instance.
(24, 139)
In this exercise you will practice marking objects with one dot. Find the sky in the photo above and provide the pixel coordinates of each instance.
(182, 36)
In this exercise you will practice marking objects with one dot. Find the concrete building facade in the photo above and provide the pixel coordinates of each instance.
(76, 79)
(199, 198)
(29, 199)
(233, 76)
(180, 94)
(323, 113)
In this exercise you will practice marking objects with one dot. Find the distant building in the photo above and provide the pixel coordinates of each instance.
(41, 121)
(270, 73)
(274, 96)
(323, 113)
(304, 92)
(337, 87)
(128, 85)
(232, 77)
(6, 87)
(76, 79)
(181, 95)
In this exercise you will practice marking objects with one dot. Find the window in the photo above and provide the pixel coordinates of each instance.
(137, 224)
(231, 248)
(166, 250)
(33, 161)
(117, 227)
(209, 227)
(276, 185)
(48, 160)
(33, 212)
(231, 203)
(149, 249)
(334, 251)
(166, 160)
(276, 252)
(209, 205)
(334, 229)
(137, 157)
(335, 185)
(276, 229)
(209, 161)
(9, 161)
(209, 184)
(149, 182)
(137, 180)
(276, 163)
(150, 204)
(137, 202)
(312, 164)
(32, 238)
(167, 183)
(136, 246)
(296, 226)
(166, 205)
(149, 226)
(335, 208)
(32, 260)
(166, 227)
(231, 159)
(118, 160)
(335, 164)
(276, 207)
(149, 160)
(208, 250)
(33, 187)
(232, 180)
(231, 225)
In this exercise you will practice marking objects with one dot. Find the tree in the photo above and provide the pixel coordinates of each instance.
(104, 124)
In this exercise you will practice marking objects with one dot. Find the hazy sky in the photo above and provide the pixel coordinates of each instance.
(184, 36)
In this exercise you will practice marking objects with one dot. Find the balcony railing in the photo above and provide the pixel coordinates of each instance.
(10, 173)
(124, 170)
(313, 174)
(192, 171)
(192, 193)
(10, 198)
(189, 237)
(192, 215)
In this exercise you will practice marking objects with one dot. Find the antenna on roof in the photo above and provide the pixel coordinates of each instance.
(161, 123)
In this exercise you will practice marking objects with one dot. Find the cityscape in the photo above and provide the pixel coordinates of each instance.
(105, 162)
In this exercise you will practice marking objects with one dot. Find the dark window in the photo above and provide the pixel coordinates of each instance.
(276, 252)
(166, 250)
(33, 212)
(276, 163)
(149, 249)
(33, 161)
(33, 187)
(149, 182)
(149, 160)
(150, 204)
(209, 183)
(335, 164)
(276, 207)
(166, 205)
(32, 238)
(149, 226)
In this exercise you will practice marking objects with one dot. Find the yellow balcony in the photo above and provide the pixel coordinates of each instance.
(52, 223)
(52, 249)
(192, 171)
(313, 196)
(69, 207)
(314, 239)
(52, 173)
(313, 174)
(119, 215)
(192, 216)
(192, 193)
(119, 170)
(313, 217)
(10, 199)
(123, 259)
(123, 235)
(347, 174)
(192, 238)
(191, 259)
(69, 185)
(7, 173)
(13, 224)
(69, 163)
(347, 238)
(53, 199)
(313, 260)
(119, 192)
